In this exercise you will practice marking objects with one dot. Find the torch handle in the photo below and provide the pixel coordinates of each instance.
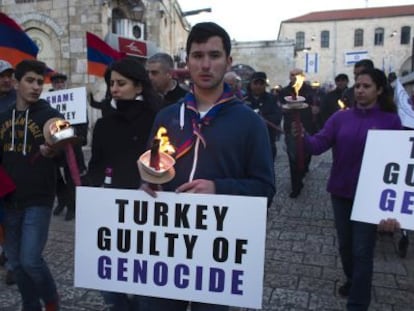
(72, 164)
(300, 157)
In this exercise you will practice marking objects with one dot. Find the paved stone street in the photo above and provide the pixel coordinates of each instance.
(302, 268)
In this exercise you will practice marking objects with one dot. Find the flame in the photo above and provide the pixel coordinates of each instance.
(341, 104)
(165, 145)
(59, 125)
(298, 84)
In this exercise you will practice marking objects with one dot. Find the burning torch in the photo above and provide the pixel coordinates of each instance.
(295, 103)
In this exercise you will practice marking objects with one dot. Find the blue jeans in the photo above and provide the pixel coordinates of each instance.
(356, 247)
(27, 231)
(120, 302)
(157, 304)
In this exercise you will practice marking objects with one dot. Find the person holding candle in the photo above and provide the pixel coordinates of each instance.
(298, 160)
(330, 102)
(32, 166)
(119, 137)
(222, 146)
(266, 105)
(346, 132)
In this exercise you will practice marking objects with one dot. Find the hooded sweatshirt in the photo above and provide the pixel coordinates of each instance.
(21, 134)
(234, 153)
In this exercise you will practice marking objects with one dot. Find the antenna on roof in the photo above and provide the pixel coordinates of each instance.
(366, 3)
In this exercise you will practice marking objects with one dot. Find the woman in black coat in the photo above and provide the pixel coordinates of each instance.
(120, 137)
(118, 140)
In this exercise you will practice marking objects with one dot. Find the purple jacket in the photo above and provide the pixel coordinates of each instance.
(346, 132)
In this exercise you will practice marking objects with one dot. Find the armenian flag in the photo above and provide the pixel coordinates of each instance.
(15, 44)
(100, 55)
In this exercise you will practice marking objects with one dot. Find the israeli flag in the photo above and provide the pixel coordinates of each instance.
(355, 56)
(311, 62)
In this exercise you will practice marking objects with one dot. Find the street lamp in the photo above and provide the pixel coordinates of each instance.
(195, 12)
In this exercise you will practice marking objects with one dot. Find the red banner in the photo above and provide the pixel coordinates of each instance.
(132, 47)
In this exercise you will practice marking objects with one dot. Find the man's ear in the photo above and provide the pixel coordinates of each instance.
(229, 62)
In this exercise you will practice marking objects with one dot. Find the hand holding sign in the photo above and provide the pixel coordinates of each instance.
(385, 184)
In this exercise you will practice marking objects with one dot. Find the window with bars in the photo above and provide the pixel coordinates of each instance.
(379, 36)
(324, 39)
(359, 37)
(405, 34)
(300, 40)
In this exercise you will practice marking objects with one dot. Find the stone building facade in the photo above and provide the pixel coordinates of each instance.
(59, 29)
(339, 38)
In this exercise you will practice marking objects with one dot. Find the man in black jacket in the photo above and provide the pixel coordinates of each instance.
(330, 103)
(160, 71)
(266, 105)
(297, 169)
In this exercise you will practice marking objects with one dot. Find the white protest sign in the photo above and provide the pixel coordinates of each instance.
(404, 105)
(386, 181)
(194, 247)
(71, 103)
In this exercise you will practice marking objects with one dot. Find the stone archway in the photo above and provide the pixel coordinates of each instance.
(47, 53)
(49, 37)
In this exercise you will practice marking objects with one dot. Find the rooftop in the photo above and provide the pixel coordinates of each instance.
(365, 13)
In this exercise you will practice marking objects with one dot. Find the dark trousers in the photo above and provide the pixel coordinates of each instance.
(296, 172)
(356, 242)
(66, 188)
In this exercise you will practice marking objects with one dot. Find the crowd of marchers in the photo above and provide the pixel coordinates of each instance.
(142, 97)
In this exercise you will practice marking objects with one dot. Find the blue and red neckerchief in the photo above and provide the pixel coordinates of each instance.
(197, 122)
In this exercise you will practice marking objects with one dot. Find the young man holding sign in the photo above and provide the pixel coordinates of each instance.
(346, 132)
(222, 146)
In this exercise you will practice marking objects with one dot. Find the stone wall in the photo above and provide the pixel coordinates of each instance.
(273, 57)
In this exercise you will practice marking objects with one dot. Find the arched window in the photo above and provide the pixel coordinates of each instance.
(325, 39)
(379, 36)
(300, 40)
(405, 34)
(359, 37)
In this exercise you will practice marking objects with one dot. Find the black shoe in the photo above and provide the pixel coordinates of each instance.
(10, 278)
(58, 210)
(344, 290)
(295, 193)
(70, 214)
(403, 246)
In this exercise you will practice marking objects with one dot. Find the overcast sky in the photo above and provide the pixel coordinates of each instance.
(247, 20)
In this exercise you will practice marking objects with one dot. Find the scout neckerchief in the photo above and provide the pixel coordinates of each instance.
(197, 122)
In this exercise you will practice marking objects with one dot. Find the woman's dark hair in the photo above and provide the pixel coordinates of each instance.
(29, 65)
(385, 99)
(201, 32)
(134, 70)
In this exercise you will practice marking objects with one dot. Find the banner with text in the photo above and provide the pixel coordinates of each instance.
(72, 103)
(194, 247)
(386, 181)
